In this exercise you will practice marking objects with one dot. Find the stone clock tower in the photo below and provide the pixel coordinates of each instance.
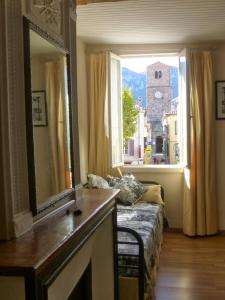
(159, 96)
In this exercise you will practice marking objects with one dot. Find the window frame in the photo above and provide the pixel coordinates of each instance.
(120, 162)
(170, 167)
(185, 109)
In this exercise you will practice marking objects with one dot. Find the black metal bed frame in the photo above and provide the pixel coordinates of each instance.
(140, 257)
(140, 244)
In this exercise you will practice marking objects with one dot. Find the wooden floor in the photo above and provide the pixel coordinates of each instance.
(191, 268)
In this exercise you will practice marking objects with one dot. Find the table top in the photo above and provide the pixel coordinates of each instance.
(30, 251)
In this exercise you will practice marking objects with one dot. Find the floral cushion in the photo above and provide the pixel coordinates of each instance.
(130, 188)
(126, 195)
(95, 181)
(136, 186)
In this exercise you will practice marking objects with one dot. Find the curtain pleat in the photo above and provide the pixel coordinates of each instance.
(55, 91)
(200, 203)
(99, 163)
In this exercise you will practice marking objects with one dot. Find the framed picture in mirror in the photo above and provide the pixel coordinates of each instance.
(220, 100)
(39, 108)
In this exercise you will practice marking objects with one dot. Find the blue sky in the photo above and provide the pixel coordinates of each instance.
(139, 64)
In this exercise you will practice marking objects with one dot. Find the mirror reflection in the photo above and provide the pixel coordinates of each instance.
(50, 114)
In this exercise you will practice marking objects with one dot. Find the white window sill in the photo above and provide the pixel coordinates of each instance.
(153, 169)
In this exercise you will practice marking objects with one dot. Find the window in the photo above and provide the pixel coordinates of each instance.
(183, 126)
(175, 127)
(159, 144)
(158, 74)
(150, 141)
(115, 108)
(131, 147)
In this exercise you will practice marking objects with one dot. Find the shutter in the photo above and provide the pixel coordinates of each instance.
(115, 111)
(184, 94)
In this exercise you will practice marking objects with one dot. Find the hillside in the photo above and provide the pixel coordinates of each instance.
(136, 82)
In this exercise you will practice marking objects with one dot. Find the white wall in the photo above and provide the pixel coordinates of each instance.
(82, 109)
(173, 188)
(219, 72)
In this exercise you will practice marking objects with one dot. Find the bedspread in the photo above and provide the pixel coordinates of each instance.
(147, 220)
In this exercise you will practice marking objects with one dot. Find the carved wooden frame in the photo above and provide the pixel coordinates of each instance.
(49, 16)
(67, 194)
(73, 79)
(73, 13)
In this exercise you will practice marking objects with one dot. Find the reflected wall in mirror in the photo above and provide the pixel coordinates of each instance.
(50, 110)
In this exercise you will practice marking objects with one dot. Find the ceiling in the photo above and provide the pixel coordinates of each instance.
(152, 21)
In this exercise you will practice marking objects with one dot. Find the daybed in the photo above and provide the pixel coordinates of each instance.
(140, 221)
(140, 228)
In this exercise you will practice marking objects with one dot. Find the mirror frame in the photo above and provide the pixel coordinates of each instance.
(68, 194)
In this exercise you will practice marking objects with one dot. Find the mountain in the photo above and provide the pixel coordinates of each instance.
(136, 82)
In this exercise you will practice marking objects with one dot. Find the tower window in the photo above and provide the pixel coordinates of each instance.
(158, 74)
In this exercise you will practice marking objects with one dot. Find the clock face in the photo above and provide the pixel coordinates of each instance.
(158, 94)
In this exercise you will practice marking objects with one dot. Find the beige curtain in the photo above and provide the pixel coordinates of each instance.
(200, 202)
(55, 92)
(98, 115)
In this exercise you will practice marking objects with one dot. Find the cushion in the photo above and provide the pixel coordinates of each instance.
(136, 186)
(125, 196)
(130, 188)
(95, 181)
(152, 195)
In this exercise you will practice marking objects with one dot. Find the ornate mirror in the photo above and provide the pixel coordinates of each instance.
(49, 120)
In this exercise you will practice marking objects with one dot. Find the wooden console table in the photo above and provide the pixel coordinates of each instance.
(30, 264)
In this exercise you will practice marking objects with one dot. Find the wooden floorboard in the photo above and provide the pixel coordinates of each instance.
(191, 268)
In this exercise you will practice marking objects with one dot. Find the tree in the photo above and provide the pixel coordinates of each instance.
(129, 116)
